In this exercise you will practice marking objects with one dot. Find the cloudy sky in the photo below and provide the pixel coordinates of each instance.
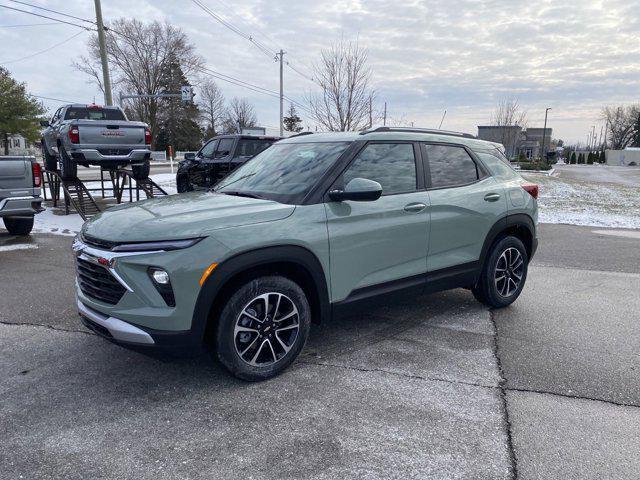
(427, 56)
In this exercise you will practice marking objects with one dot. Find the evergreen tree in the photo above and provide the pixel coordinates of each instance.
(178, 124)
(18, 111)
(292, 122)
(573, 158)
(590, 158)
(603, 157)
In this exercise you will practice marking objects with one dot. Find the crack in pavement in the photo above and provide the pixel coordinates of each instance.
(43, 325)
(503, 398)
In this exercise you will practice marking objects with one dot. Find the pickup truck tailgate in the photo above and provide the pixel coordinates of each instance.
(16, 174)
(105, 133)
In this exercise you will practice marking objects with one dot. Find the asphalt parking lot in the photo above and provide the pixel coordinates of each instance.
(430, 387)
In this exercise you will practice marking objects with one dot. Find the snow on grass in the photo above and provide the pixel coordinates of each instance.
(584, 203)
(53, 220)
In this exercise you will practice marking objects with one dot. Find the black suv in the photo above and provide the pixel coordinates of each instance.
(217, 158)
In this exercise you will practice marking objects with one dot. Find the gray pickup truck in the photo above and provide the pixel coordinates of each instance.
(95, 135)
(20, 183)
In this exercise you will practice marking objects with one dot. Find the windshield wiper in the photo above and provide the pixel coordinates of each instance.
(217, 188)
(239, 193)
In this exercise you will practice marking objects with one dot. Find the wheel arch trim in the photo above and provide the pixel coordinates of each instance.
(520, 220)
(244, 262)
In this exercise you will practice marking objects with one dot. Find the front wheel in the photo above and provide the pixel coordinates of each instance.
(263, 327)
(50, 161)
(18, 225)
(504, 273)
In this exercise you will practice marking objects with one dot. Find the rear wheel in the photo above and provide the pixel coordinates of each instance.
(68, 166)
(141, 172)
(503, 274)
(18, 225)
(50, 161)
(263, 327)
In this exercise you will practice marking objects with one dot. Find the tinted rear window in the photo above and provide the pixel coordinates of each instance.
(249, 147)
(83, 113)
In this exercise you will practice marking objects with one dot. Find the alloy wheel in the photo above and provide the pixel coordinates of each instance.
(509, 272)
(266, 329)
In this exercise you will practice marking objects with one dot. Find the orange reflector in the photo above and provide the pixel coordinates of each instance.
(207, 272)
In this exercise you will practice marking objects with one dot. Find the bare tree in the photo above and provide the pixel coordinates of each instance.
(623, 126)
(344, 77)
(138, 53)
(507, 115)
(240, 113)
(212, 106)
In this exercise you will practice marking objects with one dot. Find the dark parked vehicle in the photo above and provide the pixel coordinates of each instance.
(217, 158)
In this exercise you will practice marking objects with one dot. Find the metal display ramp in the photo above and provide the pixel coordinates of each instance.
(77, 196)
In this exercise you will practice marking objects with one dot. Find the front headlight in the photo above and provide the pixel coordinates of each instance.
(165, 246)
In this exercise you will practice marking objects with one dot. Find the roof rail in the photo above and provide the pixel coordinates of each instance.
(417, 130)
(300, 134)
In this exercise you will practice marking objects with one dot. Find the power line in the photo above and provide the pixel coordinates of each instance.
(52, 11)
(29, 25)
(44, 16)
(43, 51)
(234, 29)
(50, 98)
(251, 86)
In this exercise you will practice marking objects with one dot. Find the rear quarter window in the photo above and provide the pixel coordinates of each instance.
(497, 166)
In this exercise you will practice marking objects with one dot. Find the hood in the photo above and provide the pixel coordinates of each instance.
(187, 215)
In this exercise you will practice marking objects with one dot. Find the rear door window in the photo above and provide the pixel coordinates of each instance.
(450, 166)
(250, 147)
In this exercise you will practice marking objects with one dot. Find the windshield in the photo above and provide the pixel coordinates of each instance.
(285, 172)
(83, 113)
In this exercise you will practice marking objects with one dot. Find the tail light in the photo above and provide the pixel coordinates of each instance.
(37, 175)
(532, 189)
(74, 134)
(147, 136)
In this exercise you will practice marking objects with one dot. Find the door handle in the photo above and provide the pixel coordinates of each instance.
(414, 207)
(492, 197)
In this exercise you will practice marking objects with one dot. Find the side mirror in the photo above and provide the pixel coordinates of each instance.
(189, 156)
(358, 190)
(44, 123)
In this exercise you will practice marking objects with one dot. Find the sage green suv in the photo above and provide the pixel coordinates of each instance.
(313, 223)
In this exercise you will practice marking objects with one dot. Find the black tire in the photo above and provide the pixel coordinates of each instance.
(141, 172)
(50, 161)
(68, 166)
(259, 361)
(182, 184)
(493, 288)
(18, 225)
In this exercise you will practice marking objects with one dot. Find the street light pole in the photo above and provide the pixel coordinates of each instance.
(108, 99)
(544, 131)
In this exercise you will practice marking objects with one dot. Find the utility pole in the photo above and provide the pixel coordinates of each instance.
(108, 99)
(384, 118)
(280, 54)
(370, 112)
(544, 133)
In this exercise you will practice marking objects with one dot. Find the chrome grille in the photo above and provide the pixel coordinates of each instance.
(96, 282)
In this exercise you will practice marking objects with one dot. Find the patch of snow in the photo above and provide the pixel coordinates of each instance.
(53, 220)
(18, 246)
(590, 204)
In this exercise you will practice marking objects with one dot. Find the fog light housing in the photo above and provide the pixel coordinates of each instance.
(160, 276)
(162, 282)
